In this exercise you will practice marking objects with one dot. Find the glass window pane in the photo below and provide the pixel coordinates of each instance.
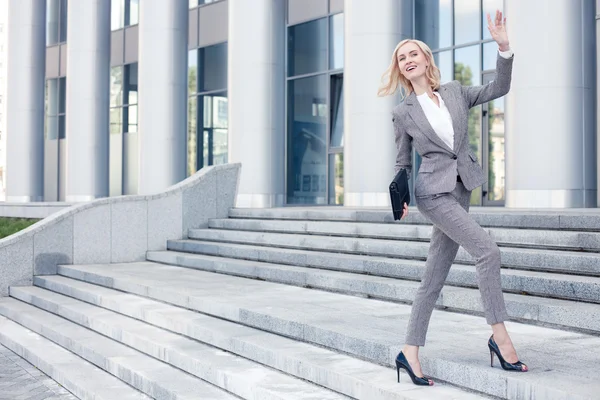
(193, 3)
(63, 21)
(52, 13)
(496, 150)
(434, 22)
(336, 178)
(117, 14)
(52, 89)
(307, 47)
(192, 141)
(219, 146)
(130, 163)
(467, 65)
(131, 89)
(466, 21)
(192, 71)
(307, 142)
(337, 111)
(116, 120)
(205, 147)
(213, 67)
(62, 95)
(116, 86)
(336, 38)
(133, 12)
(115, 168)
(490, 6)
(131, 123)
(219, 112)
(51, 127)
(490, 55)
(62, 124)
(444, 62)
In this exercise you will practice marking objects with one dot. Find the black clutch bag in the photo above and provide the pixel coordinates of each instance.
(399, 193)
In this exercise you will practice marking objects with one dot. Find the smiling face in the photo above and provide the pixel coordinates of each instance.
(411, 61)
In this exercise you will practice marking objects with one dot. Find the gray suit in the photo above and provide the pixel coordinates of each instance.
(445, 201)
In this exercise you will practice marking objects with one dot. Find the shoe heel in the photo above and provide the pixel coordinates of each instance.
(491, 359)
(398, 370)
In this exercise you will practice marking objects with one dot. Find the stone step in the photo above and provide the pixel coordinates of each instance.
(560, 313)
(570, 262)
(456, 350)
(548, 239)
(344, 374)
(78, 376)
(234, 374)
(575, 219)
(153, 377)
(546, 284)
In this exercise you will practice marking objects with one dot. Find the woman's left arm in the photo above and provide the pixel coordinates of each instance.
(475, 95)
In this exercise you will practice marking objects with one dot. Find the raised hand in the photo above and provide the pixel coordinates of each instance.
(497, 29)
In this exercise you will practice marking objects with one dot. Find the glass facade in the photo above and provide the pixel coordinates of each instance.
(196, 3)
(56, 21)
(207, 107)
(123, 140)
(315, 109)
(124, 13)
(456, 31)
(54, 135)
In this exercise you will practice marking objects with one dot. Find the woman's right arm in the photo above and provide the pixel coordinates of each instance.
(403, 146)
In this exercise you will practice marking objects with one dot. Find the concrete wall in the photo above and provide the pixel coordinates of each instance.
(117, 229)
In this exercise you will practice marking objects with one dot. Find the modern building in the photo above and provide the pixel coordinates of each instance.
(117, 97)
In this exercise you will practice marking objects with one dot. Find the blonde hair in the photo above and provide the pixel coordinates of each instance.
(393, 78)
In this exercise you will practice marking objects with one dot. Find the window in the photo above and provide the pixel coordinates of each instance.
(124, 13)
(55, 105)
(207, 142)
(196, 3)
(56, 21)
(123, 140)
(315, 112)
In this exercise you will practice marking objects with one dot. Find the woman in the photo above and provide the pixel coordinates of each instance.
(434, 119)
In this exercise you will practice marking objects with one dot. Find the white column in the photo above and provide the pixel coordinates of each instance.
(550, 116)
(598, 97)
(372, 31)
(162, 81)
(256, 95)
(87, 99)
(25, 111)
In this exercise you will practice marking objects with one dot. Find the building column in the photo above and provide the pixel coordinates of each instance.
(598, 97)
(25, 110)
(162, 104)
(256, 95)
(87, 99)
(550, 113)
(373, 28)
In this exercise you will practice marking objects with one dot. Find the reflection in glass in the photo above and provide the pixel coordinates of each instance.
(219, 146)
(51, 127)
(490, 55)
(117, 14)
(444, 62)
(116, 120)
(206, 140)
(192, 71)
(307, 47)
(116, 86)
(130, 163)
(52, 88)
(62, 127)
(62, 95)
(212, 67)
(466, 21)
(133, 12)
(434, 22)
(132, 119)
(496, 149)
(336, 178)
(115, 167)
(337, 111)
(307, 142)
(52, 13)
(467, 65)
(490, 6)
(193, 3)
(336, 38)
(192, 141)
(131, 89)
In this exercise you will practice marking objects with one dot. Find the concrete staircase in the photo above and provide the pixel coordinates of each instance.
(312, 303)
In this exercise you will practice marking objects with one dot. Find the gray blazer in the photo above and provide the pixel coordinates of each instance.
(440, 164)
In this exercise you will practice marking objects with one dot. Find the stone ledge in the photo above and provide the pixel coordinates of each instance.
(101, 231)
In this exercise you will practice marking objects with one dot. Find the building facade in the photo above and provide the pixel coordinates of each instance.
(3, 92)
(132, 96)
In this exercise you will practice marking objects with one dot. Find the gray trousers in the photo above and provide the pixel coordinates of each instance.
(449, 213)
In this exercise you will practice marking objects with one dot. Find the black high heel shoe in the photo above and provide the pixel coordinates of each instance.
(402, 362)
(518, 366)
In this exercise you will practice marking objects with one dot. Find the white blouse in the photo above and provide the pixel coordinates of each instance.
(439, 117)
